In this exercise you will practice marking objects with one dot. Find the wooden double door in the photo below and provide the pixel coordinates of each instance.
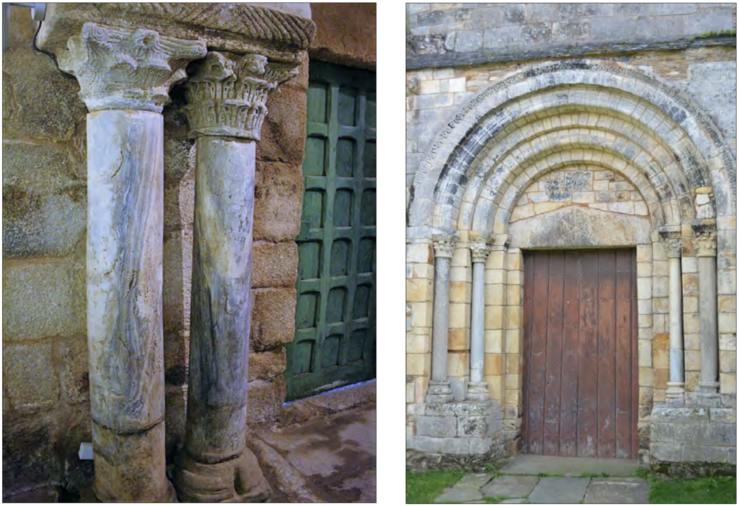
(580, 388)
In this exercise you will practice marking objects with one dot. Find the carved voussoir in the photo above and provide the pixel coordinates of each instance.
(127, 69)
(227, 93)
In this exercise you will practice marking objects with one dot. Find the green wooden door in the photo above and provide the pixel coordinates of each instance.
(334, 342)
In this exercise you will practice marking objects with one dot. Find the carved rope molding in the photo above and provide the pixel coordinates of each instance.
(127, 69)
(227, 93)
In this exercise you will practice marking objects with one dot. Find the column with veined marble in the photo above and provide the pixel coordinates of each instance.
(125, 77)
(705, 242)
(477, 388)
(226, 108)
(439, 386)
(676, 382)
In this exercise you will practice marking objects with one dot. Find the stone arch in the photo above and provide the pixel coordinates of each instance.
(696, 144)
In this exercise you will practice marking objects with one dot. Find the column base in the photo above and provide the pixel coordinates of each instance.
(438, 392)
(236, 480)
(675, 393)
(477, 391)
(707, 394)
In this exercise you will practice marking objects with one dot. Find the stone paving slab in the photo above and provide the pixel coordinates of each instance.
(569, 466)
(510, 486)
(474, 480)
(459, 495)
(559, 490)
(618, 490)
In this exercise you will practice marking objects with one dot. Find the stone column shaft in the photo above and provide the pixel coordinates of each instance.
(439, 387)
(477, 388)
(125, 76)
(705, 239)
(675, 386)
(226, 98)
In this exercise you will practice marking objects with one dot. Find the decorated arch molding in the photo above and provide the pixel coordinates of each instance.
(552, 116)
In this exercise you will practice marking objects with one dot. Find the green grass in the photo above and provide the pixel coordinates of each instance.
(721, 33)
(710, 490)
(495, 499)
(550, 475)
(594, 475)
(422, 488)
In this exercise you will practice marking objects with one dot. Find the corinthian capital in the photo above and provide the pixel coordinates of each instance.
(705, 240)
(480, 248)
(444, 245)
(672, 241)
(227, 93)
(127, 69)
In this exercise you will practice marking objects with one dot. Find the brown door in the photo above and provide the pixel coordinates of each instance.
(580, 353)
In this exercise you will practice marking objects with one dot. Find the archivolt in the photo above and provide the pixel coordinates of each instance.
(571, 112)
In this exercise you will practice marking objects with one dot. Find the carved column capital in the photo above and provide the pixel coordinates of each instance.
(705, 240)
(120, 68)
(227, 93)
(480, 248)
(444, 245)
(673, 243)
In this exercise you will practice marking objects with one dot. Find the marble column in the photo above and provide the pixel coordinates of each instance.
(125, 77)
(676, 383)
(226, 108)
(439, 386)
(705, 241)
(477, 388)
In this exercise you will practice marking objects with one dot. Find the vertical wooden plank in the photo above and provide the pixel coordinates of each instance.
(606, 347)
(623, 401)
(535, 429)
(633, 358)
(587, 357)
(554, 353)
(527, 321)
(569, 382)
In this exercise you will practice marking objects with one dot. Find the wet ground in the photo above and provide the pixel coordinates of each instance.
(329, 458)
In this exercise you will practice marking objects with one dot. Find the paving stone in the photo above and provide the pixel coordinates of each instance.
(618, 490)
(559, 491)
(569, 466)
(510, 486)
(459, 494)
(475, 481)
(514, 501)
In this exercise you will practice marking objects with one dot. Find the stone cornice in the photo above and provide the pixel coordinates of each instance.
(127, 69)
(227, 93)
(444, 245)
(277, 31)
(672, 242)
(705, 239)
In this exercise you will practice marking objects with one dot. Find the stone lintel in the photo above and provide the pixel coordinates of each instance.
(280, 32)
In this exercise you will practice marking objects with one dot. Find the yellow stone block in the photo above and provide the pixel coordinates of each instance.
(418, 364)
(692, 342)
(495, 386)
(460, 291)
(460, 274)
(420, 385)
(513, 317)
(495, 294)
(514, 260)
(410, 393)
(495, 260)
(728, 383)
(644, 253)
(494, 317)
(645, 377)
(423, 271)
(459, 316)
(513, 397)
(459, 339)
(513, 381)
(644, 353)
(660, 378)
(660, 341)
(461, 256)
(493, 364)
(494, 341)
(513, 341)
(513, 363)
(421, 314)
(692, 360)
(660, 359)
(418, 343)
(458, 364)
(514, 295)
(728, 361)
(418, 290)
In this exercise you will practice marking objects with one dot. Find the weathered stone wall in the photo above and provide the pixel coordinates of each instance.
(442, 80)
(472, 32)
(354, 43)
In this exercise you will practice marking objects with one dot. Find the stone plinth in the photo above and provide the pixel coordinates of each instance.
(460, 428)
(693, 440)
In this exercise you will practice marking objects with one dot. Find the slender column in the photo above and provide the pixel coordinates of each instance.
(477, 388)
(439, 387)
(226, 107)
(125, 76)
(675, 388)
(706, 251)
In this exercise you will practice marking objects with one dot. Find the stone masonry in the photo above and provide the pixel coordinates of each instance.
(46, 399)
(574, 126)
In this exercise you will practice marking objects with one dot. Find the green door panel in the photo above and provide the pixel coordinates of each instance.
(334, 343)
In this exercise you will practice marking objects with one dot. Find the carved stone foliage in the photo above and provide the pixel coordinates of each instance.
(480, 248)
(127, 69)
(705, 240)
(673, 243)
(444, 245)
(227, 93)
